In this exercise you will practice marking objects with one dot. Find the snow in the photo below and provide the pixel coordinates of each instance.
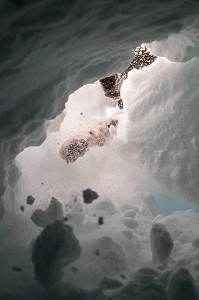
(147, 174)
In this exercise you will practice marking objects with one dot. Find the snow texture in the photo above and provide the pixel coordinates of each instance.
(49, 50)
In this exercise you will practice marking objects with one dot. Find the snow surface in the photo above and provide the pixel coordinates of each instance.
(147, 175)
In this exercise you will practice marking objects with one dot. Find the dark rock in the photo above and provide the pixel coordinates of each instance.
(54, 248)
(30, 200)
(54, 212)
(181, 286)
(22, 208)
(16, 268)
(89, 196)
(100, 220)
(120, 104)
(161, 244)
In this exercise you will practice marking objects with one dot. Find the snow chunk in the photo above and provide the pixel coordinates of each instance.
(110, 256)
(130, 223)
(106, 206)
(161, 244)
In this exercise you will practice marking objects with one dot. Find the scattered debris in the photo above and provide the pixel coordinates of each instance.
(89, 196)
(182, 286)
(30, 200)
